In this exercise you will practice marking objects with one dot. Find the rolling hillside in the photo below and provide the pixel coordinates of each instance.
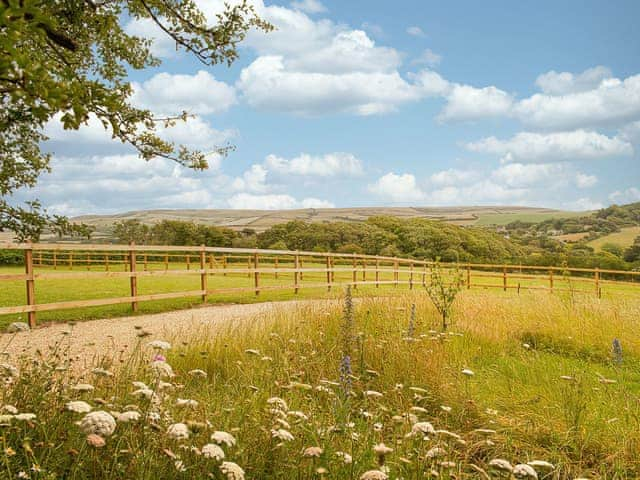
(260, 220)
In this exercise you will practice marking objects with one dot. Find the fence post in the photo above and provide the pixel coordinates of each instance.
(31, 290)
(551, 281)
(203, 273)
(354, 272)
(224, 265)
(411, 276)
(55, 260)
(211, 261)
(596, 277)
(88, 261)
(396, 274)
(166, 261)
(328, 273)
(106, 262)
(377, 272)
(256, 274)
(296, 272)
(364, 270)
(468, 276)
(188, 257)
(504, 278)
(333, 273)
(70, 260)
(133, 280)
(301, 265)
(145, 262)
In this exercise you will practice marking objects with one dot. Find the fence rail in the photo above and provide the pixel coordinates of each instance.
(323, 270)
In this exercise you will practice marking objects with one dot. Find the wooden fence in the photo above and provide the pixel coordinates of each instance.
(302, 269)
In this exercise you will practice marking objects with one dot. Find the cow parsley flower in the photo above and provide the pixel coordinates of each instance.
(374, 475)
(160, 345)
(282, 434)
(78, 407)
(178, 431)
(223, 438)
(98, 422)
(312, 452)
(232, 471)
(211, 450)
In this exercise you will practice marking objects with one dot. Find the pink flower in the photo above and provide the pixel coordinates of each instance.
(159, 358)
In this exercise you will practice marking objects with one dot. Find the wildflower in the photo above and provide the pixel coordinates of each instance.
(374, 475)
(373, 394)
(312, 452)
(162, 369)
(232, 471)
(178, 431)
(419, 390)
(159, 358)
(297, 414)
(8, 373)
(282, 435)
(25, 416)
(10, 409)
(102, 372)
(467, 372)
(278, 402)
(381, 450)
(185, 402)
(346, 458)
(568, 378)
(144, 392)
(418, 409)
(211, 450)
(23, 474)
(522, 470)
(501, 465)
(198, 373)
(251, 351)
(95, 440)
(83, 387)
(485, 431)
(9, 452)
(78, 407)
(179, 465)
(423, 427)
(300, 386)
(140, 385)
(491, 411)
(98, 422)
(160, 345)
(223, 437)
(447, 433)
(436, 452)
(541, 465)
(444, 408)
(130, 416)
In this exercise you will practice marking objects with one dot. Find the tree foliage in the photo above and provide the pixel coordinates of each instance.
(69, 60)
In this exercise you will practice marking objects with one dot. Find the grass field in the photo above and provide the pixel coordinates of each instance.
(535, 217)
(624, 238)
(520, 378)
(56, 290)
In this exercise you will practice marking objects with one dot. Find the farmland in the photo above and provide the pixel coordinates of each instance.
(623, 238)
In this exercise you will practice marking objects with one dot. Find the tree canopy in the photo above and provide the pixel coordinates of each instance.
(69, 59)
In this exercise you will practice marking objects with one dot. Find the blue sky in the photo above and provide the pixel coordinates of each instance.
(364, 103)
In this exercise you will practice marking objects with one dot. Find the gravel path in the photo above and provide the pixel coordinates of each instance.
(90, 340)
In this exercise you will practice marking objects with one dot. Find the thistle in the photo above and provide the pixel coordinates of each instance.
(346, 332)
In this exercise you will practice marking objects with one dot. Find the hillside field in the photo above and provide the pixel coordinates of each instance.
(624, 238)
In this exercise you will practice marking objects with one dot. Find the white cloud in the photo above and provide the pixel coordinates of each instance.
(584, 204)
(584, 180)
(428, 57)
(162, 45)
(465, 102)
(518, 175)
(329, 165)
(553, 147)
(613, 102)
(267, 84)
(316, 203)
(631, 133)
(629, 195)
(554, 83)
(397, 188)
(309, 6)
(245, 201)
(453, 176)
(170, 94)
(252, 180)
(415, 31)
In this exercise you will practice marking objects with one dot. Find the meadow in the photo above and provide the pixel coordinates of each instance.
(623, 238)
(521, 386)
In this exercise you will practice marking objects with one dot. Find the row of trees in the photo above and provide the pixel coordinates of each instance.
(389, 236)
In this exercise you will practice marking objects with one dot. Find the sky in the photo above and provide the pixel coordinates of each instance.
(375, 103)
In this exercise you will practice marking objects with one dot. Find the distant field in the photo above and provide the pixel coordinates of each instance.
(525, 216)
(624, 238)
(261, 220)
(571, 237)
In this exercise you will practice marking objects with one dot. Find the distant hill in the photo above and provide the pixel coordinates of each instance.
(260, 220)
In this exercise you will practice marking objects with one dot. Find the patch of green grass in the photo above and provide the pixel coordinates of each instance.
(624, 238)
(505, 218)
